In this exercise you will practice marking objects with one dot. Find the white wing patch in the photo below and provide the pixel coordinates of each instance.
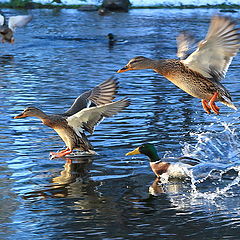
(1, 19)
(18, 21)
(88, 118)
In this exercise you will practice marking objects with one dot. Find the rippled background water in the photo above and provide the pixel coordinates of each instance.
(65, 52)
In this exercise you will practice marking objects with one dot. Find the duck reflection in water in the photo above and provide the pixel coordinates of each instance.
(6, 59)
(159, 187)
(74, 170)
(73, 180)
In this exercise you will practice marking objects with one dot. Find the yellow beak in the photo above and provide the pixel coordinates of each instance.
(134, 152)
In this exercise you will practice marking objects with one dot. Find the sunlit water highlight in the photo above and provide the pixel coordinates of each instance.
(65, 52)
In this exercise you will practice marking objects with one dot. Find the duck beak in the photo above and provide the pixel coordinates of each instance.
(12, 41)
(124, 69)
(21, 115)
(134, 152)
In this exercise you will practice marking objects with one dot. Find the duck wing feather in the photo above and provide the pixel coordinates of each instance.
(214, 54)
(87, 118)
(19, 21)
(101, 94)
(185, 42)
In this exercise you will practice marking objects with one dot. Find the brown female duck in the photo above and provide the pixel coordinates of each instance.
(201, 72)
(7, 29)
(87, 110)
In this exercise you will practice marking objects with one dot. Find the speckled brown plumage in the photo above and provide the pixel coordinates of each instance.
(201, 72)
(190, 81)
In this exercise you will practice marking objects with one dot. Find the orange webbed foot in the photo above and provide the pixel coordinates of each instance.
(60, 154)
(206, 107)
(212, 104)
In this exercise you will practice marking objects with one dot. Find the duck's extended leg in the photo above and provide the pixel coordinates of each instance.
(55, 153)
(206, 107)
(212, 104)
(61, 154)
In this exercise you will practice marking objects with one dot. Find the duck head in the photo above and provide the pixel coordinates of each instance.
(110, 37)
(137, 63)
(30, 112)
(147, 149)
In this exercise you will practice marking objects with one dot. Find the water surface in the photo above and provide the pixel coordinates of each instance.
(65, 52)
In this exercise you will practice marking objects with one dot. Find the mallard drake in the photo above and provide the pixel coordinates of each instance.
(87, 110)
(7, 30)
(164, 169)
(201, 72)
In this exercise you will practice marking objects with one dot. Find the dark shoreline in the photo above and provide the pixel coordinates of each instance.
(26, 4)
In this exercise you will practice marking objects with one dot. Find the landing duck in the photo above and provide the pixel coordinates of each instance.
(7, 28)
(86, 112)
(200, 73)
(162, 169)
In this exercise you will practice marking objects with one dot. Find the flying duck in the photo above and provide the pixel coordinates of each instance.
(200, 73)
(7, 29)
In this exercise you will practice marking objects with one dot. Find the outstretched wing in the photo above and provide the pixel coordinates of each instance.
(101, 94)
(87, 118)
(215, 52)
(18, 21)
(185, 42)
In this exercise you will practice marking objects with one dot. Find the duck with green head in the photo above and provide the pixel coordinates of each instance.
(161, 168)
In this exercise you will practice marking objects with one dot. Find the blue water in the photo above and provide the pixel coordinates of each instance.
(62, 53)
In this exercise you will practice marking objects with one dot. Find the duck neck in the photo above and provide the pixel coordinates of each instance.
(153, 156)
(42, 116)
(159, 66)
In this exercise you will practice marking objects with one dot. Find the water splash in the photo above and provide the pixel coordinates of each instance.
(219, 172)
(211, 146)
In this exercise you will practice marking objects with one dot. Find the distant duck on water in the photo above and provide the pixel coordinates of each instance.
(201, 72)
(86, 112)
(112, 40)
(164, 169)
